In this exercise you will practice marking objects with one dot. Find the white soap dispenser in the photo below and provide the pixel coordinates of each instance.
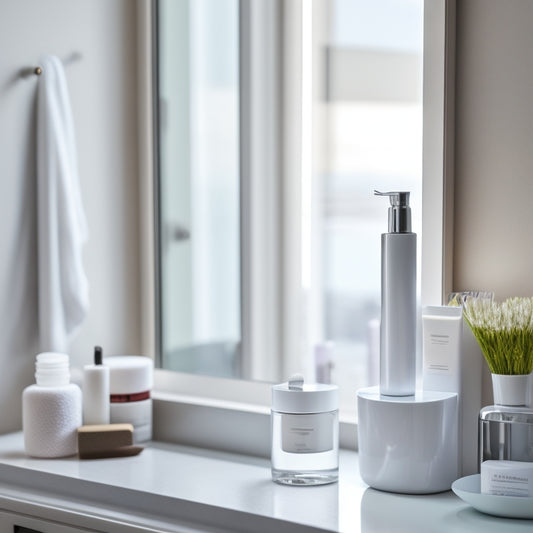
(398, 300)
(407, 439)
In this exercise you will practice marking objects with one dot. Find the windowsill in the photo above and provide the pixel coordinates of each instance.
(174, 488)
(171, 487)
(210, 413)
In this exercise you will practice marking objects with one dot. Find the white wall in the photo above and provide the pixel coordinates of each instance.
(494, 148)
(103, 94)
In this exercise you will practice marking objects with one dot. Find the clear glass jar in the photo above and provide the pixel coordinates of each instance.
(505, 433)
(305, 433)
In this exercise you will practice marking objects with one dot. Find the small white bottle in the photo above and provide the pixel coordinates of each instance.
(324, 361)
(305, 433)
(96, 391)
(51, 409)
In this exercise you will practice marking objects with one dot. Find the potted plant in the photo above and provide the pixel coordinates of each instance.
(504, 332)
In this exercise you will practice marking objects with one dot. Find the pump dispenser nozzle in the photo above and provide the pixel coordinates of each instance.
(399, 212)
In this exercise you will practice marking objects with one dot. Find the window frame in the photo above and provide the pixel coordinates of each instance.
(213, 410)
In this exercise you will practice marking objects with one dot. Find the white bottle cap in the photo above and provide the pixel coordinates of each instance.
(52, 369)
(129, 374)
(295, 396)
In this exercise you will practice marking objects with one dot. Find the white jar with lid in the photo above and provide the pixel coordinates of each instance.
(305, 433)
(131, 378)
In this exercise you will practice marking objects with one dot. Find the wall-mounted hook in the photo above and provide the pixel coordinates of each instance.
(37, 71)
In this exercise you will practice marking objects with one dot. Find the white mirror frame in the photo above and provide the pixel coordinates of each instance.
(438, 150)
(211, 412)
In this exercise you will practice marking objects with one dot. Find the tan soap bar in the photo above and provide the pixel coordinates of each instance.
(98, 439)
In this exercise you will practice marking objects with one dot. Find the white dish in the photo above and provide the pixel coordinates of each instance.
(469, 490)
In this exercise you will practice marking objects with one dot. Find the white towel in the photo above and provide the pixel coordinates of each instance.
(62, 227)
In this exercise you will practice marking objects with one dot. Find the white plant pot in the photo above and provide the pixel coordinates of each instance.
(512, 390)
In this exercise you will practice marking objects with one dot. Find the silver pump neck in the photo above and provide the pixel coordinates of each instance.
(399, 212)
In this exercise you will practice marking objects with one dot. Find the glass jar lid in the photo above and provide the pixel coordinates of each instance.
(295, 396)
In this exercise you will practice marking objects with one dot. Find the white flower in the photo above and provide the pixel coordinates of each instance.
(504, 331)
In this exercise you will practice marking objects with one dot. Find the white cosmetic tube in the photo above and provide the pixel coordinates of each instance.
(442, 329)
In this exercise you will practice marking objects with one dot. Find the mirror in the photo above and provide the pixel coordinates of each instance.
(364, 66)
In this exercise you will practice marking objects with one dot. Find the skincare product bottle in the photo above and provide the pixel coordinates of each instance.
(96, 391)
(305, 433)
(51, 409)
(323, 361)
(398, 300)
(131, 378)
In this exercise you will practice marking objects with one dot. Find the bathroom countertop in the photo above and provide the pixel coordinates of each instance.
(174, 488)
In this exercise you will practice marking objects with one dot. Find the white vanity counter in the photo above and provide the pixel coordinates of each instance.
(174, 488)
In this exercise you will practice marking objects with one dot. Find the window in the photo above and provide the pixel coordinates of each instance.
(371, 139)
(199, 235)
(268, 230)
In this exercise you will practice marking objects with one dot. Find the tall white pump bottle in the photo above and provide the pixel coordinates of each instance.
(398, 300)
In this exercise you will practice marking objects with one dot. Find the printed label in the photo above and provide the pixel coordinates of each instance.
(439, 362)
(509, 485)
(307, 433)
(440, 349)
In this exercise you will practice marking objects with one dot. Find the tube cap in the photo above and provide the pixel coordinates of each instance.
(295, 396)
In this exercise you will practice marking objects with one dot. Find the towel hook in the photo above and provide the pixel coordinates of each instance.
(75, 56)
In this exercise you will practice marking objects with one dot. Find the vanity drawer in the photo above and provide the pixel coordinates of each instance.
(17, 523)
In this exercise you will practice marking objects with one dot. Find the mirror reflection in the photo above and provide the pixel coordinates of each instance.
(366, 120)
